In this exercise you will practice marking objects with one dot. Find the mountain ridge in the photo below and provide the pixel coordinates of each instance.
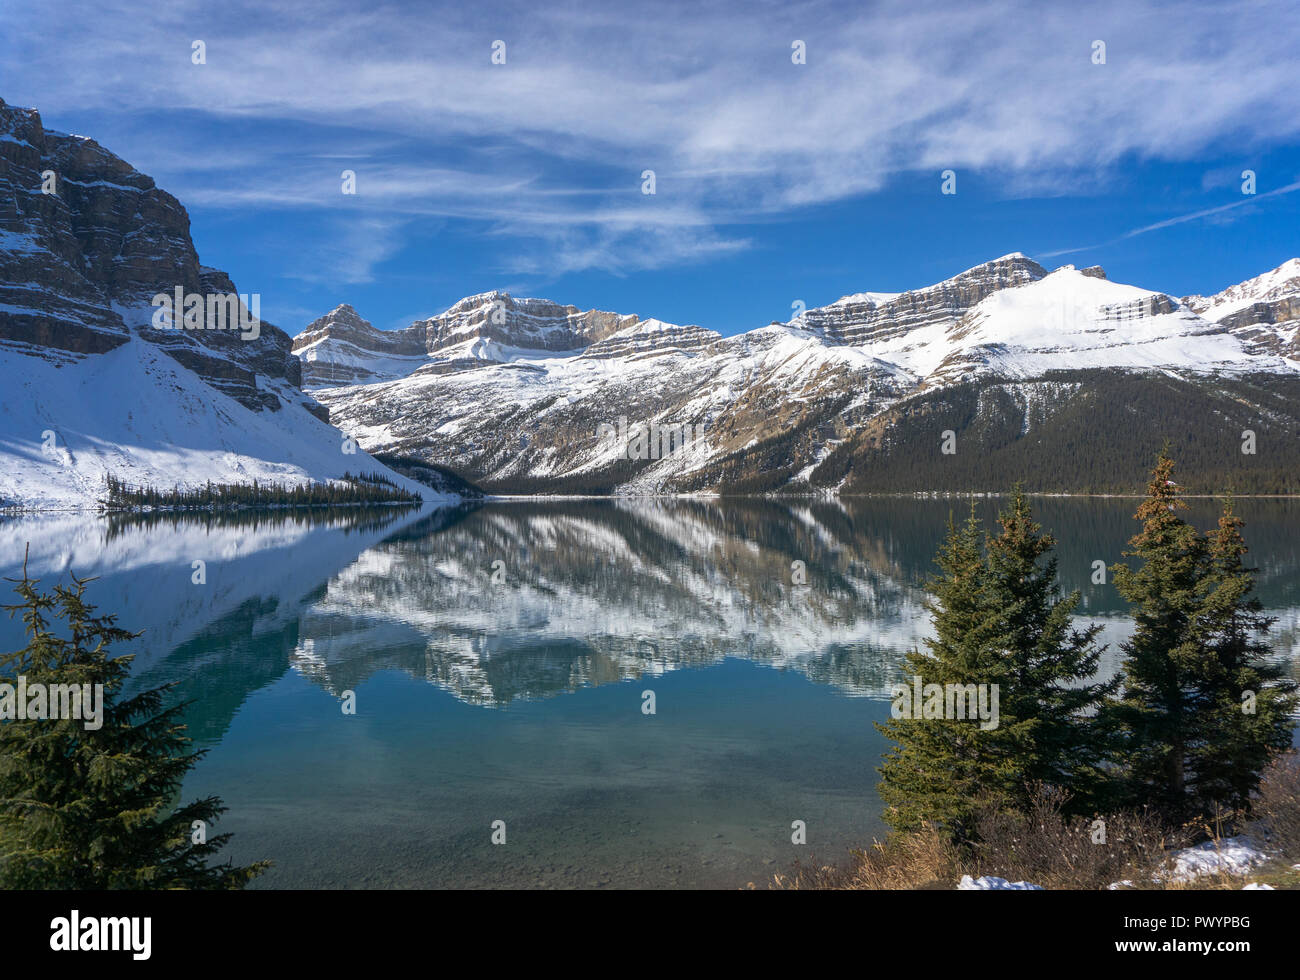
(521, 394)
(524, 420)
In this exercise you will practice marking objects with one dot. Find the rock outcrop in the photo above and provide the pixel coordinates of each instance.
(86, 241)
(943, 304)
(92, 385)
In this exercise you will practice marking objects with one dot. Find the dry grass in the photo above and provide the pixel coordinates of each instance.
(924, 859)
(1041, 846)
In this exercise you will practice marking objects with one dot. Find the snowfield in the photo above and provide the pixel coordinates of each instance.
(67, 420)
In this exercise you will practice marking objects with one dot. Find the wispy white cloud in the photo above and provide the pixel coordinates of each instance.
(1246, 201)
(551, 144)
(1219, 214)
(348, 251)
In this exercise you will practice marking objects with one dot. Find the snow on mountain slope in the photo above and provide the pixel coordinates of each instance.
(918, 316)
(1070, 320)
(649, 337)
(133, 411)
(1263, 312)
(343, 348)
(875, 299)
(88, 384)
(540, 417)
(777, 398)
(1280, 283)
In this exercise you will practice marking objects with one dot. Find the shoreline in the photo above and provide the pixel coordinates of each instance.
(98, 510)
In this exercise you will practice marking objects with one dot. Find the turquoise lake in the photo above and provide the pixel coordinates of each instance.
(498, 654)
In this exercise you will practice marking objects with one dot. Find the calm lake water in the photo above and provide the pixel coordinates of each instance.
(499, 653)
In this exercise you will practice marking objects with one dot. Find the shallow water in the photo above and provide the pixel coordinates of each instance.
(499, 654)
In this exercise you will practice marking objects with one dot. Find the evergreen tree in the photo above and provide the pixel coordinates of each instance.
(94, 808)
(941, 770)
(1189, 745)
(1243, 701)
(1155, 709)
(1051, 663)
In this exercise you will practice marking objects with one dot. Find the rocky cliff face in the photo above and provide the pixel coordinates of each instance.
(343, 348)
(863, 321)
(1264, 312)
(527, 324)
(90, 386)
(80, 264)
(650, 337)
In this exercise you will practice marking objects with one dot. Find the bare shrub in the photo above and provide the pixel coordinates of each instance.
(1277, 807)
(1045, 847)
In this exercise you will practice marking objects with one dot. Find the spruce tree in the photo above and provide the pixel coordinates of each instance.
(1155, 711)
(944, 771)
(1051, 663)
(86, 808)
(999, 619)
(1243, 700)
(1189, 744)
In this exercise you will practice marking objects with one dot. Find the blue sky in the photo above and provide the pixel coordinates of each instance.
(775, 182)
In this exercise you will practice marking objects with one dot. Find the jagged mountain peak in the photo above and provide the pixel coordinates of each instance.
(1283, 280)
(1263, 312)
(343, 314)
(496, 301)
(476, 301)
(483, 328)
(651, 337)
(869, 318)
(1015, 266)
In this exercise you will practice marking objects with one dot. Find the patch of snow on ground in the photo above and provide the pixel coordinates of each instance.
(1235, 855)
(989, 883)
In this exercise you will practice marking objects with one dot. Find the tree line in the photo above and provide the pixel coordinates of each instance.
(1082, 431)
(350, 489)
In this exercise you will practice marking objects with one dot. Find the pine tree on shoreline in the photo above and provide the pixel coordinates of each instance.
(1201, 710)
(84, 808)
(1246, 715)
(942, 771)
(998, 620)
(1054, 665)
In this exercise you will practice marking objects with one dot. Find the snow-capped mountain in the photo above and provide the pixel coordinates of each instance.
(521, 403)
(89, 382)
(490, 328)
(1064, 379)
(1264, 311)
